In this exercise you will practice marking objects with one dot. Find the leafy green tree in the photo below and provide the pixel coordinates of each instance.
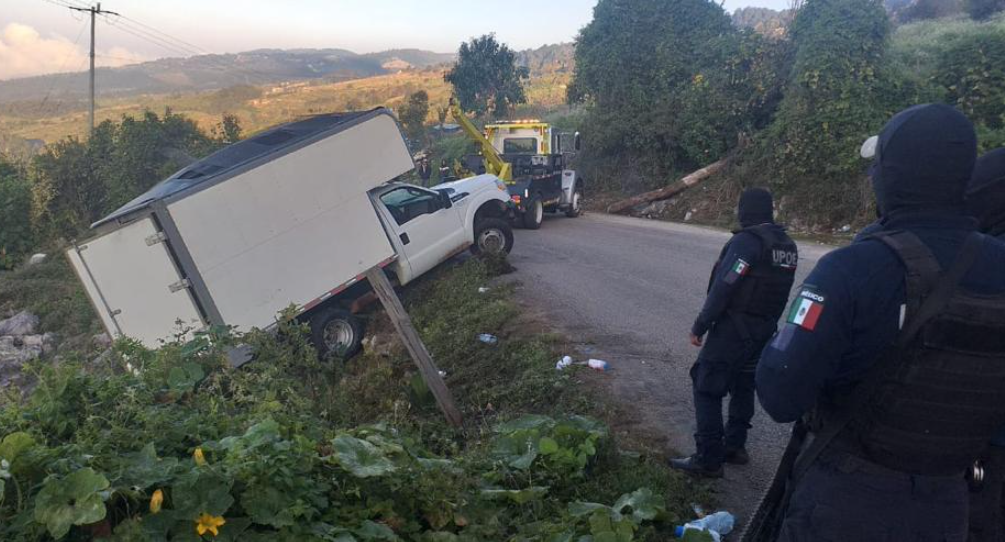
(68, 193)
(669, 84)
(837, 95)
(16, 232)
(230, 129)
(486, 77)
(412, 115)
(972, 72)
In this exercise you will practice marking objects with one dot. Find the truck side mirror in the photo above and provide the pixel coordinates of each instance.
(576, 141)
(445, 201)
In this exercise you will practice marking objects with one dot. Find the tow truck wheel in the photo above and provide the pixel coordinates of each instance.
(336, 333)
(574, 209)
(533, 216)
(492, 236)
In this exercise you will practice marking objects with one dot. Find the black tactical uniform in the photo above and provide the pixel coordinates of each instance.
(986, 201)
(899, 342)
(747, 292)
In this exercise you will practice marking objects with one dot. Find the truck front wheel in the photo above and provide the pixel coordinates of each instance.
(492, 236)
(574, 208)
(336, 333)
(533, 214)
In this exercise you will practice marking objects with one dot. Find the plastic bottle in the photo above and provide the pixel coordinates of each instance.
(717, 525)
(597, 364)
(488, 338)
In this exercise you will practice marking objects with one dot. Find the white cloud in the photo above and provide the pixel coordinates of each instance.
(24, 52)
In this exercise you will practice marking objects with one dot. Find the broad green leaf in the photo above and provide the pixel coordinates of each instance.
(519, 496)
(361, 458)
(374, 531)
(644, 506)
(144, 469)
(580, 509)
(269, 506)
(184, 378)
(694, 535)
(547, 445)
(73, 500)
(15, 443)
(202, 490)
(531, 421)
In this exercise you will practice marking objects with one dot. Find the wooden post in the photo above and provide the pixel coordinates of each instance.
(403, 324)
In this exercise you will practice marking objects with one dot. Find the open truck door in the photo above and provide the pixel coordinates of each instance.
(136, 288)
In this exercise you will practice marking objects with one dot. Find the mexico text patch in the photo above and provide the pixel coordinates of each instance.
(806, 309)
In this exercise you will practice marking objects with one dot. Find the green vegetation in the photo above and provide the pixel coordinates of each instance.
(177, 445)
(413, 114)
(486, 77)
(670, 90)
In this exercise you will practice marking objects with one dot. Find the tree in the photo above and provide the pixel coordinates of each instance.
(971, 71)
(486, 77)
(230, 129)
(838, 93)
(666, 82)
(412, 115)
(16, 232)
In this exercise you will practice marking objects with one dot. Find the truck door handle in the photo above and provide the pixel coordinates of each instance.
(404, 239)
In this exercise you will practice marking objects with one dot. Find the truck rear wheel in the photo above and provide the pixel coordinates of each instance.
(574, 209)
(533, 214)
(492, 236)
(336, 333)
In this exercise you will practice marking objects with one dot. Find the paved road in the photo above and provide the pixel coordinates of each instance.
(627, 290)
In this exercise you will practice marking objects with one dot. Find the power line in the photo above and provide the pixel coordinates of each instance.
(94, 12)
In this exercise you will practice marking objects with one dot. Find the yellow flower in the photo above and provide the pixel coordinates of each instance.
(207, 523)
(156, 500)
(199, 458)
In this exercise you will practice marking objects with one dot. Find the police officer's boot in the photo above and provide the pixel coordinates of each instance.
(738, 456)
(693, 465)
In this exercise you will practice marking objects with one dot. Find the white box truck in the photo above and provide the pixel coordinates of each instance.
(292, 216)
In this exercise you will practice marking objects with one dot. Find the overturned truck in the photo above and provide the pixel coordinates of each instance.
(291, 217)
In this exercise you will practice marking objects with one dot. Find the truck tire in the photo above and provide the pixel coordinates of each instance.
(533, 215)
(336, 333)
(575, 209)
(492, 236)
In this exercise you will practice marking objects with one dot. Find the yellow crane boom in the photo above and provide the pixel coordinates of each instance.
(494, 163)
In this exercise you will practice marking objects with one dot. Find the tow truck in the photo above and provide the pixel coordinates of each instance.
(530, 158)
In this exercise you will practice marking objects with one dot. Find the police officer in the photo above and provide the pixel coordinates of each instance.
(897, 344)
(747, 292)
(986, 201)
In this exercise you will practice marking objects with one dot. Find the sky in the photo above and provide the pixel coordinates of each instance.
(44, 36)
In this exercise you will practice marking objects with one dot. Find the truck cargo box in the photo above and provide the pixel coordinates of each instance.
(278, 219)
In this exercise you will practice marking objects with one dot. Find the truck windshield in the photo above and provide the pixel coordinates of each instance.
(520, 145)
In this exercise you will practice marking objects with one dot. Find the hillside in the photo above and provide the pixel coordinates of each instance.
(383, 82)
(217, 71)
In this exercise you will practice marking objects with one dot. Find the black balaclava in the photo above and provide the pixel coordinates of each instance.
(755, 207)
(924, 159)
(986, 194)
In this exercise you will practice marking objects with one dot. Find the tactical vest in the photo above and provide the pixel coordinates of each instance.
(937, 396)
(764, 291)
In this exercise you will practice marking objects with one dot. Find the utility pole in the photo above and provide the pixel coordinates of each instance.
(94, 11)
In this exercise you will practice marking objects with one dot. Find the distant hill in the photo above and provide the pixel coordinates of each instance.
(217, 71)
(765, 21)
(558, 58)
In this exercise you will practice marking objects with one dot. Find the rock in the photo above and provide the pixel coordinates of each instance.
(102, 340)
(22, 323)
(37, 258)
(15, 352)
(688, 215)
(846, 228)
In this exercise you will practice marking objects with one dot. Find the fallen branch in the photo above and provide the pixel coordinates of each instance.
(680, 185)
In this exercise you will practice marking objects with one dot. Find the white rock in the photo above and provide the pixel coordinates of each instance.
(22, 323)
(37, 258)
(688, 215)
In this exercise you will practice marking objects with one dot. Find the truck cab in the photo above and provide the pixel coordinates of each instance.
(541, 181)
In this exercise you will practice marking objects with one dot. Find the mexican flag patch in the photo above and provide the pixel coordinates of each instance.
(739, 269)
(806, 310)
